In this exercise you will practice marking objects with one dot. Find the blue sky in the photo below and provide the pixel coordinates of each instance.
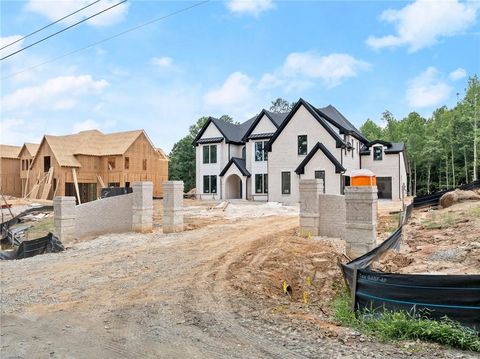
(230, 57)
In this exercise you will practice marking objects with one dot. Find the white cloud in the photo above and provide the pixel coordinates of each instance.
(250, 7)
(17, 131)
(236, 97)
(427, 89)
(457, 74)
(55, 10)
(85, 125)
(6, 40)
(56, 93)
(163, 62)
(424, 22)
(301, 68)
(235, 90)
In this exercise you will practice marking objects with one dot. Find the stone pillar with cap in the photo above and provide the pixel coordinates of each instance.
(310, 189)
(361, 204)
(172, 220)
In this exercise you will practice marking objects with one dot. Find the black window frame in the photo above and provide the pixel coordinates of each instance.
(262, 151)
(302, 145)
(262, 179)
(210, 183)
(286, 190)
(377, 150)
(209, 154)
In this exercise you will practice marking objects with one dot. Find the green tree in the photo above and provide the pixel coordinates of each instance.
(371, 130)
(281, 105)
(182, 157)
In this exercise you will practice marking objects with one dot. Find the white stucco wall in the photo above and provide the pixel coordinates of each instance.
(320, 162)
(233, 170)
(351, 159)
(391, 165)
(264, 126)
(284, 157)
(257, 167)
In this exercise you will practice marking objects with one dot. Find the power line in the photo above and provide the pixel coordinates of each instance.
(60, 31)
(108, 38)
(52, 23)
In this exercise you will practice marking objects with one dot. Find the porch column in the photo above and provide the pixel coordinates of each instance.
(244, 187)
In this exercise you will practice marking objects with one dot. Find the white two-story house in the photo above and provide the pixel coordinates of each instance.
(265, 157)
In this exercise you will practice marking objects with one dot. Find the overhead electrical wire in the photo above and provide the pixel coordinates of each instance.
(60, 31)
(109, 38)
(46, 26)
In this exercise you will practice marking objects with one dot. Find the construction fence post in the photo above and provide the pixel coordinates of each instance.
(64, 215)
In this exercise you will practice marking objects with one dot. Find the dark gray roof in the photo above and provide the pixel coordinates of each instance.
(334, 116)
(260, 135)
(240, 163)
(277, 117)
(392, 147)
(320, 146)
(210, 140)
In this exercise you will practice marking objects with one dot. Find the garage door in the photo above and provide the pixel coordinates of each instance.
(384, 186)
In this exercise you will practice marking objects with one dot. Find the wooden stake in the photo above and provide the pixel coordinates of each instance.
(74, 174)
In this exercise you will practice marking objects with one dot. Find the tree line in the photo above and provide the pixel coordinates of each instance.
(442, 150)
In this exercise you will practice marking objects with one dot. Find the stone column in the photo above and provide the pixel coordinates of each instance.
(310, 189)
(142, 210)
(361, 219)
(64, 215)
(172, 206)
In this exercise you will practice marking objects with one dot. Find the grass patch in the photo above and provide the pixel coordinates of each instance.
(40, 228)
(403, 325)
(475, 212)
(439, 221)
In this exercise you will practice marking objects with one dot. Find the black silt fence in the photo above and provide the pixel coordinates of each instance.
(114, 191)
(47, 244)
(434, 198)
(435, 296)
(7, 224)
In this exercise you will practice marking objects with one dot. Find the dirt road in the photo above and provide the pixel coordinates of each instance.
(183, 295)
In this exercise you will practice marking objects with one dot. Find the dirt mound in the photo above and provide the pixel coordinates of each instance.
(393, 261)
(289, 273)
(438, 241)
(456, 196)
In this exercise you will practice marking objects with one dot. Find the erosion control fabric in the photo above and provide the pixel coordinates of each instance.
(47, 244)
(432, 296)
(7, 224)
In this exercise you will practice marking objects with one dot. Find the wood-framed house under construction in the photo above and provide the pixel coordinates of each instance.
(81, 164)
(27, 153)
(9, 171)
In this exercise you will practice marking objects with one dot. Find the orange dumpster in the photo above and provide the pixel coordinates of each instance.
(363, 177)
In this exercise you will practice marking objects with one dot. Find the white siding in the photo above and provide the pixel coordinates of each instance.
(284, 155)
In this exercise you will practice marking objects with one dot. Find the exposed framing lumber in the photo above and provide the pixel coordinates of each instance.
(74, 175)
(100, 180)
(48, 184)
